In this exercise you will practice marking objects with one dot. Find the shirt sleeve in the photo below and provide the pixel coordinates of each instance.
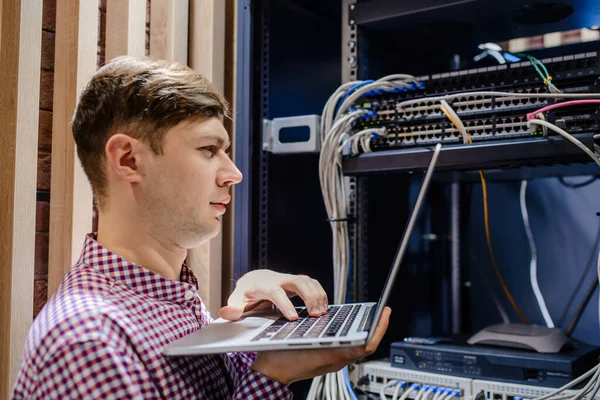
(92, 370)
(250, 384)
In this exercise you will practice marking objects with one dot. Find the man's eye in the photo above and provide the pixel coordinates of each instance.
(210, 151)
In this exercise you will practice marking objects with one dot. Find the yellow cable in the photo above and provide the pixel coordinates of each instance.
(489, 244)
(454, 122)
(487, 224)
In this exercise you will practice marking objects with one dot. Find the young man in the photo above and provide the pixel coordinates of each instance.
(150, 139)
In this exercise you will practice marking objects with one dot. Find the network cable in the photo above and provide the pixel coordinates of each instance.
(533, 263)
(541, 70)
(589, 264)
(455, 119)
(338, 138)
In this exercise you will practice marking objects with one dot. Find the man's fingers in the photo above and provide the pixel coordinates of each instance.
(235, 306)
(304, 287)
(324, 302)
(379, 331)
(231, 313)
(280, 299)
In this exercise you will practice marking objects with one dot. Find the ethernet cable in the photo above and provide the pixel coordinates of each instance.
(399, 386)
(336, 135)
(389, 384)
(566, 135)
(348, 386)
(533, 114)
(455, 119)
(593, 371)
(420, 392)
(428, 391)
(412, 388)
(439, 394)
(542, 72)
(533, 263)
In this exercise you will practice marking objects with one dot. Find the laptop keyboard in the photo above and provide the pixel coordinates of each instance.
(338, 319)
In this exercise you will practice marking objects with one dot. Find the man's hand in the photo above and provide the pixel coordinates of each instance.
(291, 366)
(264, 287)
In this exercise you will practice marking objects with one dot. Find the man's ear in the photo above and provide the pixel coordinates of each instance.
(123, 157)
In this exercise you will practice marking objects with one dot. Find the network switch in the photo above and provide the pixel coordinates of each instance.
(485, 117)
(376, 374)
(379, 373)
(495, 390)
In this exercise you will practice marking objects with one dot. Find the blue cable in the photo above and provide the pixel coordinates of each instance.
(352, 394)
(349, 92)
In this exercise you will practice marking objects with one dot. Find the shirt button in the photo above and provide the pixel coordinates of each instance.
(189, 294)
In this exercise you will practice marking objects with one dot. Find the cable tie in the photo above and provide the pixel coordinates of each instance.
(547, 80)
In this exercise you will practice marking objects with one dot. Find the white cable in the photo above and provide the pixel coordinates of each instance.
(396, 392)
(407, 393)
(328, 386)
(566, 135)
(443, 395)
(572, 383)
(420, 393)
(389, 384)
(533, 263)
(342, 389)
(334, 137)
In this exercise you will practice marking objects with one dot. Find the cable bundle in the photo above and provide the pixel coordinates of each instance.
(337, 139)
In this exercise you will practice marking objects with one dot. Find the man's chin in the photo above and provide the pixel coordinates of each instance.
(209, 233)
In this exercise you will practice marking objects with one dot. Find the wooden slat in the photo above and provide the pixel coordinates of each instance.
(229, 90)
(20, 52)
(207, 56)
(125, 28)
(169, 30)
(70, 192)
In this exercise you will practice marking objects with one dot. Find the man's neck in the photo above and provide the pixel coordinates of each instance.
(135, 243)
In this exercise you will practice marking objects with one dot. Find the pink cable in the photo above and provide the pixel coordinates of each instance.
(532, 115)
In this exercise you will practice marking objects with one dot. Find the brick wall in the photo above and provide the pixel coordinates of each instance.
(45, 144)
(44, 153)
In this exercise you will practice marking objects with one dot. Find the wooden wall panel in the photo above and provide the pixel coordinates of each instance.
(230, 92)
(169, 21)
(70, 193)
(20, 52)
(207, 56)
(125, 28)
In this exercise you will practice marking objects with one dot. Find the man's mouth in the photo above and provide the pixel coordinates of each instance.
(220, 207)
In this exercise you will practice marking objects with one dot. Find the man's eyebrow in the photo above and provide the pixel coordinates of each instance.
(223, 143)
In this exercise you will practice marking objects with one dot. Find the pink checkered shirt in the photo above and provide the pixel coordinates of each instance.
(101, 336)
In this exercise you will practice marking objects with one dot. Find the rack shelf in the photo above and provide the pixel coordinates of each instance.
(475, 18)
(482, 155)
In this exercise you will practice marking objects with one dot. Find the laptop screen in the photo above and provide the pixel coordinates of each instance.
(389, 283)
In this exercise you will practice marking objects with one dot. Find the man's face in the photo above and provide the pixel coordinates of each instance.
(184, 192)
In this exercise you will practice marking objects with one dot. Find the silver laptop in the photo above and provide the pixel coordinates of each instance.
(261, 330)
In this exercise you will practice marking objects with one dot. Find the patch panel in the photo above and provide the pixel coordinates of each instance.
(379, 373)
(494, 390)
(376, 374)
(422, 123)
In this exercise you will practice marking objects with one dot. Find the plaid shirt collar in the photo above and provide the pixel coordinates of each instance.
(135, 276)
